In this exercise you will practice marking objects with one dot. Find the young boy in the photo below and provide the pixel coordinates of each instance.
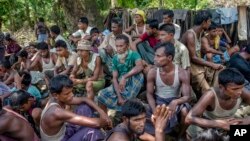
(80, 125)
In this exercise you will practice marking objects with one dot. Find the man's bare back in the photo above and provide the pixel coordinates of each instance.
(14, 126)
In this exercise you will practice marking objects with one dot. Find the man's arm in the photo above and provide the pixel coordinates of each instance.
(150, 88)
(206, 47)
(192, 52)
(97, 70)
(115, 83)
(195, 114)
(67, 70)
(35, 62)
(246, 98)
(185, 87)
(137, 69)
(67, 116)
(129, 29)
(81, 100)
(185, 90)
(134, 44)
(9, 79)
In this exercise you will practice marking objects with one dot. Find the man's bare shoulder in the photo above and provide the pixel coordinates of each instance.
(118, 136)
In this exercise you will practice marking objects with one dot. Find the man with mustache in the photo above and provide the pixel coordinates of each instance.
(172, 88)
(133, 125)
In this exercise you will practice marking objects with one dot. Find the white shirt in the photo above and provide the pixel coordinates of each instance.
(81, 33)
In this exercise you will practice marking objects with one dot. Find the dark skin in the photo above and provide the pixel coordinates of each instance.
(8, 75)
(98, 72)
(137, 124)
(15, 127)
(227, 96)
(139, 24)
(188, 39)
(122, 47)
(44, 55)
(150, 32)
(24, 64)
(56, 116)
(63, 52)
(167, 76)
(160, 120)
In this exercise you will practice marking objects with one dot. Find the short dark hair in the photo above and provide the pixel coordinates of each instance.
(247, 49)
(210, 135)
(60, 43)
(58, 82)
(19, 97)
(169, 28)
(213, 26)
(202, 16)
(84, 20)
(169, 48)
(230, 75)
(55, 29)
(26, 78)
(169, 13)
(153, 23)
(117, 21)
(42, 46)
(6, 63)
(122, 37)
(94, 30)
(132, 108)
(23, 53)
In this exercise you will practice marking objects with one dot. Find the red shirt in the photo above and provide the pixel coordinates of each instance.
(151, 39)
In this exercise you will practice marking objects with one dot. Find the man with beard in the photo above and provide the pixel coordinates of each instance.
(127, 76)
(172, 87)
(201, 70)
(134, 117)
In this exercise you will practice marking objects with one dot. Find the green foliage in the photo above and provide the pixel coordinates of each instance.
(19, 13)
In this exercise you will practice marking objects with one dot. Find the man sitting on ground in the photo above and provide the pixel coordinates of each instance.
(87, 72)
(66, 59)
(145, 49)
(80, 125)
(217, 107)
(172, 87)
(127, 76)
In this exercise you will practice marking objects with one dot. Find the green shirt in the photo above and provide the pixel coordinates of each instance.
(129, 64)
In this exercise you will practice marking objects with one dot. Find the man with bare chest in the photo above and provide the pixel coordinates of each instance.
(171, 86)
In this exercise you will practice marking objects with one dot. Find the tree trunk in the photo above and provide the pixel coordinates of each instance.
(74, 9)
